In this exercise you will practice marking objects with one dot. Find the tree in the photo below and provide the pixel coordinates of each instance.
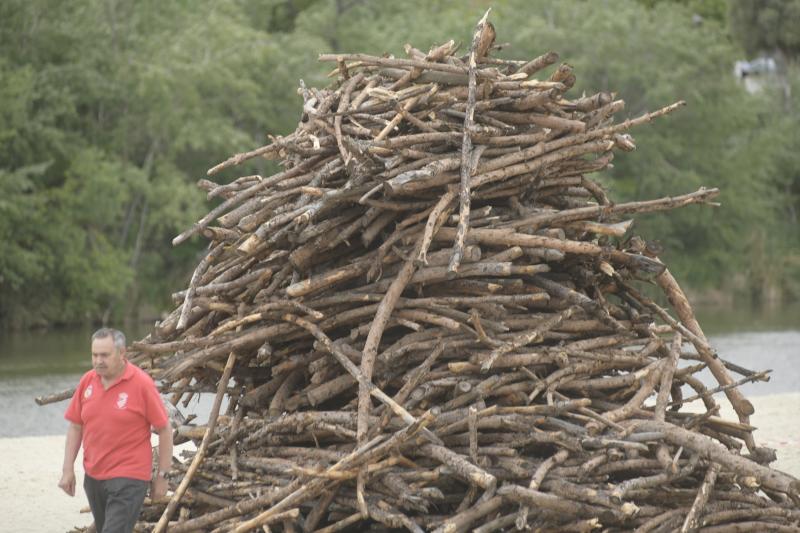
(112, 111)
(771, 26)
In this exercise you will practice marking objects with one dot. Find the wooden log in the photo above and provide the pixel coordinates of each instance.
(770, 479)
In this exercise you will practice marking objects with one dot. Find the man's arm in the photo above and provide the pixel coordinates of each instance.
(159, 487)
(74, 434)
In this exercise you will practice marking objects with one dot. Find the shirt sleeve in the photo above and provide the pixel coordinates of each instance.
(155, 412)
(73, 412)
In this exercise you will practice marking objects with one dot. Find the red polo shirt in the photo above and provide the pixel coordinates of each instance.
(116, 423)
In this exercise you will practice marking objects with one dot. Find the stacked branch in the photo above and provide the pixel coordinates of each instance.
(432, 319)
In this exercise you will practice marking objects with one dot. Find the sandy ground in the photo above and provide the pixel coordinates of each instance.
(777, 422)
(31, 502)
(30, 499)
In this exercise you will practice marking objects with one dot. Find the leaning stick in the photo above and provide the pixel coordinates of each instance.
(387, 305)
(161, 526)
(691, 523)
(201, 268)
(538, 476)
(681, 305)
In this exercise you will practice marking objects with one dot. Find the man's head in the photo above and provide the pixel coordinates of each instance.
(108, 352)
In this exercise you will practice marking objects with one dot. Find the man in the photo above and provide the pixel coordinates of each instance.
(111, 413)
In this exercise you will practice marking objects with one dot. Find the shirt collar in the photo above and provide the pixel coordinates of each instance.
(126, 375)
(128, 372)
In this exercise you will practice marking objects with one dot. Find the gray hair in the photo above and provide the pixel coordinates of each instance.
(117, 335)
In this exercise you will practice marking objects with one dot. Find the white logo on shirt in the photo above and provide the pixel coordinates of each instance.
(122, 400)
(88, 392)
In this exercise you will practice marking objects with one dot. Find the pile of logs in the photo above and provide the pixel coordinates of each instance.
(433, 319)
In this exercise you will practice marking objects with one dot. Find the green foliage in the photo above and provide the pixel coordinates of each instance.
(767, 25)
(715, 10)
(110, 111)
(24, 255)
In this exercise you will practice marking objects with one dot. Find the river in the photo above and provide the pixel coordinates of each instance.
(34, 363)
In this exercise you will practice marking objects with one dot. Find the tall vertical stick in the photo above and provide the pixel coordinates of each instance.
(466, 151)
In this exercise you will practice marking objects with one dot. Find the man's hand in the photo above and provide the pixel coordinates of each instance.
(73, 444)
(158, 488)
(67, 482)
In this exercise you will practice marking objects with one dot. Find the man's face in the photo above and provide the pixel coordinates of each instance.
(107, 361)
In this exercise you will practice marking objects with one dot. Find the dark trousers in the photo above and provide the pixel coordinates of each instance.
(115, 502)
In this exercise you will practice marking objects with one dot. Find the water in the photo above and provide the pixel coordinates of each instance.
(766, 339)
(37, 363)
(725, 321)
(40, 363)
